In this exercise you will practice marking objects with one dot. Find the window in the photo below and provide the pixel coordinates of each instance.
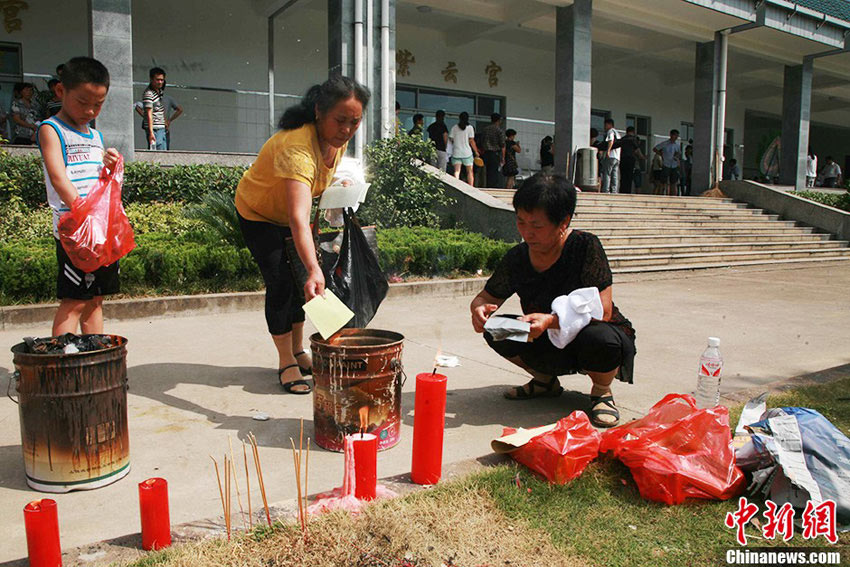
(11, 72)
(427, 100)
(597, 120)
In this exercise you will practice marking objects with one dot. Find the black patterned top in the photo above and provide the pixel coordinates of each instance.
(582, 263)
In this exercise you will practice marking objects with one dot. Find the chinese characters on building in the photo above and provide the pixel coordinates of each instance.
(10, 9)
(450, 72)
(493, 71)
(403, 60)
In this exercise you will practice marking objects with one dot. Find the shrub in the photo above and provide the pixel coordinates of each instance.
(837, 200)
(144, 182)
(426, 251)
(217, 211)
(402, 194)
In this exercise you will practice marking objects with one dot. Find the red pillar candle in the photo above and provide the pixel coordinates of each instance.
(365, 465)
(41, 521)
(429, 421)
(153, 504)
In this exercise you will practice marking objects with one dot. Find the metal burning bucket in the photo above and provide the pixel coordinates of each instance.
(353, 369)
(73, 411)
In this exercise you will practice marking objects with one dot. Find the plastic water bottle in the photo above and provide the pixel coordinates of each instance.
(708, 375)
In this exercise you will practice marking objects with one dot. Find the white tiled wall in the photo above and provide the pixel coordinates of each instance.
(529, 134)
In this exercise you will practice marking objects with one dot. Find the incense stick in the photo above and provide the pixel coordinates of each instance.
(218, 477)
(236, 482)
(306, 477)
(248, 485)
(260, 476)
(227, 496)
(297, 463)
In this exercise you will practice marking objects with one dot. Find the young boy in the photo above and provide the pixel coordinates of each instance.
(73, 156)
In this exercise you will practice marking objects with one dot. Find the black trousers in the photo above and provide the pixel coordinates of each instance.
(267, 244)
(627, 175)
(599, 347)
(491, 164)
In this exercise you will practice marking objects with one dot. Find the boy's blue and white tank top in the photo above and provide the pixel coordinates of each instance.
(83, 156)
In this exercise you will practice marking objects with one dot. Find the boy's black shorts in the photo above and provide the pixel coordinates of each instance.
(73, 283)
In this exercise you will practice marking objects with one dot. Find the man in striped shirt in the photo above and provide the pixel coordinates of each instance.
(154, 122)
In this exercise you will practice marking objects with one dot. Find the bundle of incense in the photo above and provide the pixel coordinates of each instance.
(218, 478)
(259, 467)
(296, 460)
(248, 486)
(236, 482)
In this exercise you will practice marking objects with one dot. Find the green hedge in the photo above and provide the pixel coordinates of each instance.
(160, 265)
(19, 222)
(144, 182)
(837, 200)
(425, 251)
(163, 264)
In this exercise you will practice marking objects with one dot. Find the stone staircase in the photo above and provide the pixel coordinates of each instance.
(648, 233)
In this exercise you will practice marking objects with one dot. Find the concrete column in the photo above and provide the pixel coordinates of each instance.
(111, 42)
(796, 110)
(341, 53)
(572, 80)
(705, 116)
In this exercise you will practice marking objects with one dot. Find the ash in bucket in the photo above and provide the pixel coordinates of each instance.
(69, 343)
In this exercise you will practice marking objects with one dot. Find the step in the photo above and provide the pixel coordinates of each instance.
(733, 247)
(714, 265)
(651, 230)
(651, 239)
(653, 216)
(623, 198)
(666, 208)
(721, 257)
(661, 225)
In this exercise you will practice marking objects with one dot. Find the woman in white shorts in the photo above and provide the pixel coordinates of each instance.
(462, 136)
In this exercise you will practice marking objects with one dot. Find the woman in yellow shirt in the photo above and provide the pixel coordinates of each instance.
(274, 199)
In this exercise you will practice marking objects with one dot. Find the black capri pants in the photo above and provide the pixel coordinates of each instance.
(599, 347)
(267, 243)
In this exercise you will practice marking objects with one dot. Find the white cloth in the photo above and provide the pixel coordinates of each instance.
(670, 152)
(349, 169)
(460, 141)
(609, 136)
(574, 313)
(811, 166)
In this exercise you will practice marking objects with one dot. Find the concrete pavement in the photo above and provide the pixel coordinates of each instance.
(196, 380)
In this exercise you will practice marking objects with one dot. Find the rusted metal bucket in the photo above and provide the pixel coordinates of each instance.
(73, 411)
(357, 368)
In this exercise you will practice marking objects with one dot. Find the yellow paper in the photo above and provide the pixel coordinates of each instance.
(328, 313)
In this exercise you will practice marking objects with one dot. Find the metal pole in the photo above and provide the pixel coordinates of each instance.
(359, 137)
(271, 74)
(387, 126)
(721, 39)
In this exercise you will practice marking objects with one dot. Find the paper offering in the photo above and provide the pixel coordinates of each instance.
(340, 196)
(506, 327)
(328, 313)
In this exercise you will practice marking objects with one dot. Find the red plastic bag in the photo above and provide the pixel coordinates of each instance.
(96, 232)
(562, 454)
(678, 451)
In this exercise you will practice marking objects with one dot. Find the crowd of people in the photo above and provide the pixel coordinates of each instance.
(28, 110)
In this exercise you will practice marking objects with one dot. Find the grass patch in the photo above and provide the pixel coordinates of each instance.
(598, 519)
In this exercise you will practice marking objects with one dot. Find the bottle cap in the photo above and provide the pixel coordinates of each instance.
(713, 342)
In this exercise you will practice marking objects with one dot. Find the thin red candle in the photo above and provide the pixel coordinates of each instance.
(153, 505)
(41, 521)
(365, 465)
(429, 420)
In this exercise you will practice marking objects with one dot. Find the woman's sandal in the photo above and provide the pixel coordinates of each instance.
(304, 371)
(536, 389)
(607, 408)
(288, 387)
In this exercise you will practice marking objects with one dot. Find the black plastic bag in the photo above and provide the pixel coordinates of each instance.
(356, 277)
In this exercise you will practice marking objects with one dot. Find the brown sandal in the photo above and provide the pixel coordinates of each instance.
(535, 389)
(603, 405)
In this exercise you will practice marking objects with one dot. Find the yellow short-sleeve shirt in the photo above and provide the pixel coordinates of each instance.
(289, 154)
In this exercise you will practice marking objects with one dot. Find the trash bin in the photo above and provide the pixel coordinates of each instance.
(588, 169)
(73, 413)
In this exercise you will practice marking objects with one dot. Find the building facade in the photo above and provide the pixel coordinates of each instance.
(731, 75)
